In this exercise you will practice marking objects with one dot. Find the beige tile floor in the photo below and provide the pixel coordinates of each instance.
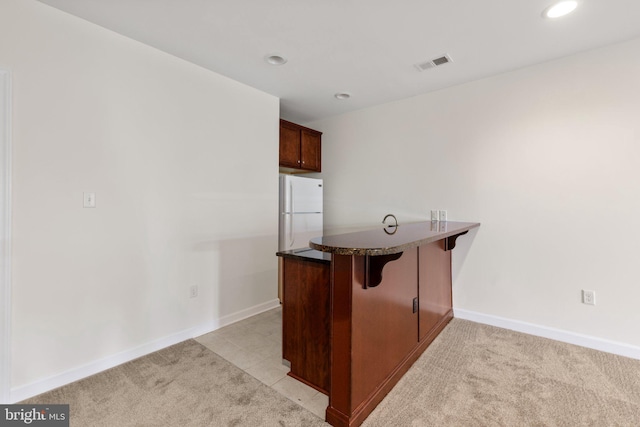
(255, 346)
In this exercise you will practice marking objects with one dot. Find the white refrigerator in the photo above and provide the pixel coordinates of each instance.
(300, 211)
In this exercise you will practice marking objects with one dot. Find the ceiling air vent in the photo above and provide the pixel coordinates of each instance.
(436, 62)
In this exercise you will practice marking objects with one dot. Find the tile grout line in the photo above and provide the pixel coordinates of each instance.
(271, 374)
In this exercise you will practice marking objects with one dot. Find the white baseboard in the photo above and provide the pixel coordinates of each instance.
(595, 343)
(252, 311)
(41, 386)
(235, 317)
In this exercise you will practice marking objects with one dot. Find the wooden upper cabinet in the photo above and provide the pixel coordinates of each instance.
(300, 147)
(310, 152)
(289, 145)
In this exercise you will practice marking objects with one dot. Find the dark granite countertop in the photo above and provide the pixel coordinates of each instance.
(390, 240)
(307, 254)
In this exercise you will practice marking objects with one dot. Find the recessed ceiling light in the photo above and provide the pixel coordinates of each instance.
(560, 9)
(342, 95)
(275, 59)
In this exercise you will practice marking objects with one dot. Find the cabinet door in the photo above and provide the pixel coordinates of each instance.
(434, 291)
(310, 150)
(385, 327)
(289, 145)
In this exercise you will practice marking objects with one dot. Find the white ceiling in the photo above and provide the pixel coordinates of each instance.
(365, 47)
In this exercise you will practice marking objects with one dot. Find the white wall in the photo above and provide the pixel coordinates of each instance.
(546, 158)
(184, 166)
(5, 234)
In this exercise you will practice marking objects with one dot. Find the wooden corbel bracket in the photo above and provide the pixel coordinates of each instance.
(450, 242)
(373, 265)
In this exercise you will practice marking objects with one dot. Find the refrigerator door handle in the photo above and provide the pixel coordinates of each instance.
(291, 237)
(292, 210)
(291, 213)
(291, 201)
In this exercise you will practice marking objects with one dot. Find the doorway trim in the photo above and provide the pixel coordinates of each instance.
(5, 236)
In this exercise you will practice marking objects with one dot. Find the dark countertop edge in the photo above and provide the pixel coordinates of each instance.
(311, 255)
(392, 249)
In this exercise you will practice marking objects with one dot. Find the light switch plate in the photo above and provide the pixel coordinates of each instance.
(434, 215)
(442, 215)
(89, 200)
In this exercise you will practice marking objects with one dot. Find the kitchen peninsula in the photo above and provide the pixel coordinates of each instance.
(352, 326)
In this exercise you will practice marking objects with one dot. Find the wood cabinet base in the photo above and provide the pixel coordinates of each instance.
(377, 333)
(305, 321)
(354, 327)
(338, 419)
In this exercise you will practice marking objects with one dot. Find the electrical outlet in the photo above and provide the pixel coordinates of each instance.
(434, 215)
(193, 291)
(589, 297)
(442, 215)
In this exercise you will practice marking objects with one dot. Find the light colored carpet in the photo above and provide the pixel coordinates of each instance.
(183, 385)
(471, 375)
(478, 375)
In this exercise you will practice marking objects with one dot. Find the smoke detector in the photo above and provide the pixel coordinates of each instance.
(436, 62)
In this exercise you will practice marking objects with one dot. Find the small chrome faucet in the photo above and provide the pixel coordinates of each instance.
(394, 218)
